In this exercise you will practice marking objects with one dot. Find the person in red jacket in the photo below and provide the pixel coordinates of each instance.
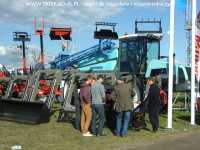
(86, 114)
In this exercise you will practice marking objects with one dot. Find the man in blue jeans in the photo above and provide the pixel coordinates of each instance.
(98, 98)
(122, 94)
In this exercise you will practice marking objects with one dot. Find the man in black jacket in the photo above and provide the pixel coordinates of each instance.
(153, 103)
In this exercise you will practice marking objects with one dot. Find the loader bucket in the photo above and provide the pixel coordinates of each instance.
(24, 112)
(30, 99)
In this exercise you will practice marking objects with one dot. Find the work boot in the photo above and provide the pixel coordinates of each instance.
(155, 130)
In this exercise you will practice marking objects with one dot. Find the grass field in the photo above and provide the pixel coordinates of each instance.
(62, 136)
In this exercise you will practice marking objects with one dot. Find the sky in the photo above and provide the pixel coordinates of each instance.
(81, 15)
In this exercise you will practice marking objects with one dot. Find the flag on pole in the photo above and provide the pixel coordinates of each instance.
(197, 60)
(197, 48)
(194, 71)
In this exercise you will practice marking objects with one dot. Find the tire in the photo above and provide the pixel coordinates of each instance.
(137, 96)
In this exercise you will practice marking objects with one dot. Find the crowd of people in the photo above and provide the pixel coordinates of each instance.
(90, 112)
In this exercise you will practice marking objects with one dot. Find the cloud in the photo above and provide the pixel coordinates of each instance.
(2, 51)
(80, 14)
(11, 56)
(77, 13)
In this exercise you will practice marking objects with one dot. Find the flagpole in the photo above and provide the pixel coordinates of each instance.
(171, 65)
(193, 97)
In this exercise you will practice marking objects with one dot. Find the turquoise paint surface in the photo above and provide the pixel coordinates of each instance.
(97, 63)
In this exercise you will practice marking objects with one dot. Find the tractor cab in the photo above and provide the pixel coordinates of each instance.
(138, 49)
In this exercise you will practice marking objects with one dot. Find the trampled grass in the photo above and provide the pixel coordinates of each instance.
(62, 136)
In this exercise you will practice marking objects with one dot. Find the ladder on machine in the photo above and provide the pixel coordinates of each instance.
(70, 84)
